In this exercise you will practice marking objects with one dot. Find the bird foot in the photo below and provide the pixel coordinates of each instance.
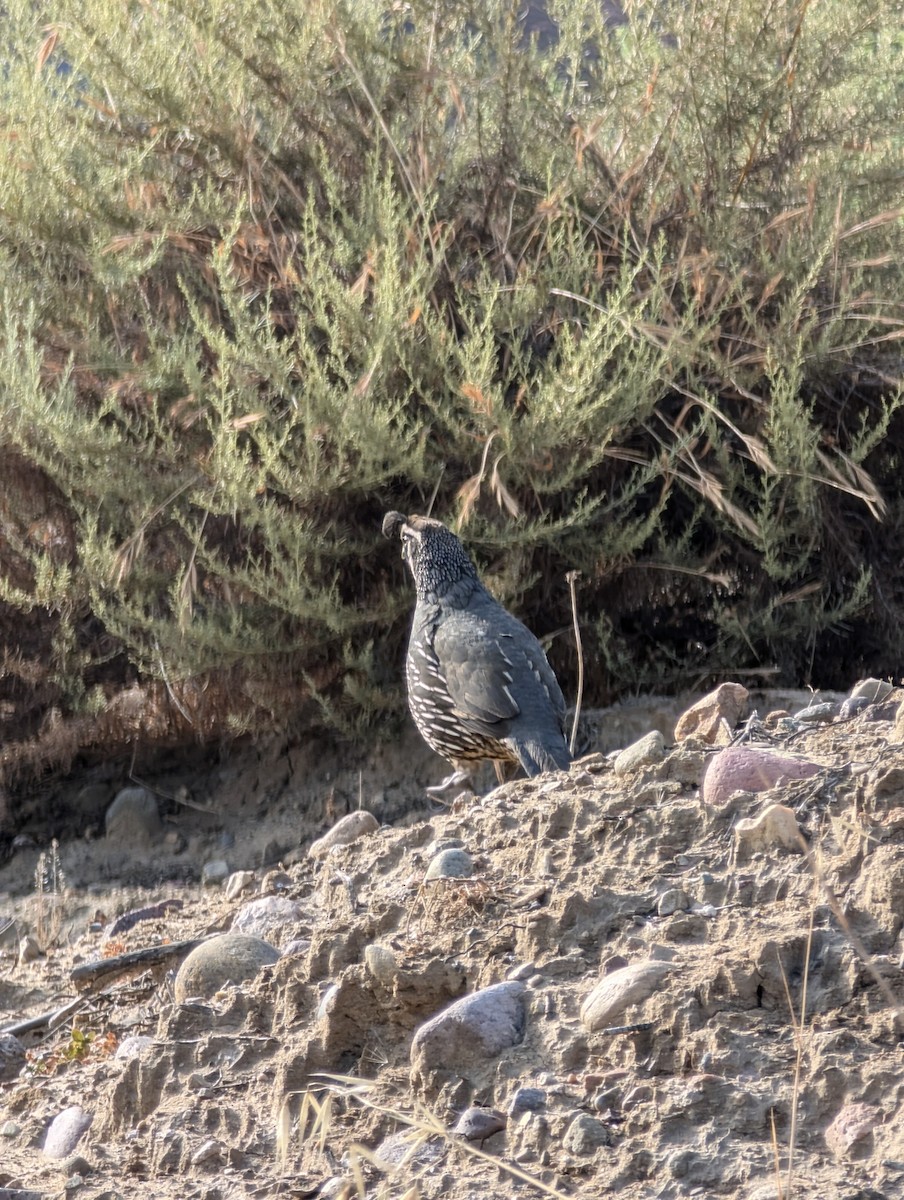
(456, 779)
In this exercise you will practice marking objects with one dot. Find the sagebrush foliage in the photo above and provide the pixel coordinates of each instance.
(623, 299)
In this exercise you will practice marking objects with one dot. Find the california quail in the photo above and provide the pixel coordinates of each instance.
(479, 685)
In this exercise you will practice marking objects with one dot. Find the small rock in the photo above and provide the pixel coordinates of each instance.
(10, 1129)
(344, 832)
(238, 883)
(621, 989)
(131, 1047)
(450, 864)
(215, 873)
(29, 950)
(523, 971)
(817, 714)
(854, 1122)
(527, 1099)
(273, 918)
(65, 1130)
(775, 826)
(274, 882)
(713, 717)
(471, 1032)
(852, 706)
(228, 958)
(751, 769)
(642, 753)
(73, 1183)
(380, 961)
(478, 1124)
(208, 1152)
(672, 901)
(295, 947)
(76, 1164)
(871, 690)
(12, 1057)
(586, 1134)
(134, 817)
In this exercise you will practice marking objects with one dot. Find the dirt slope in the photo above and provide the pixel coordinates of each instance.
(690, 1088)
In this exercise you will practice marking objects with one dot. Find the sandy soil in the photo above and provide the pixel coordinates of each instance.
(696, 1088)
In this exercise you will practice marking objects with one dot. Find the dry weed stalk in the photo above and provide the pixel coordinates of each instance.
(50, 884)
(422, 1125)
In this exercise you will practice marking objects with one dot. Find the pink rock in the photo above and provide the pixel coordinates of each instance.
(854, 1122)
(751, 769)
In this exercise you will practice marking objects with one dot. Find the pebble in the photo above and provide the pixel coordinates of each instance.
(527, 1099)
(380, 961)
(586, 1134)
(208, 1152)
(775, 826)
(817, 714)
(621, 989)
(134, 817)
(713, 717)
(65, 1130)
(852, 706)
(215, 873)
(853, 1122)
(871, 690)
(273, 918)
(645, 752)
(275, 881)
(472, 1031)
(295, 947)
(478, 1124)
(29, 949)
(76, 1164)
(450, 864)
(347, 830)
(672, 901)
(750, 769)
(10, 1129)
(238, 883)
(131, 1047)
(228, 958)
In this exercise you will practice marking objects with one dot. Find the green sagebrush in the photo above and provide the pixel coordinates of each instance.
(625, 301)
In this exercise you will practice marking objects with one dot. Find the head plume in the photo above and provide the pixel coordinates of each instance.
(436, 558)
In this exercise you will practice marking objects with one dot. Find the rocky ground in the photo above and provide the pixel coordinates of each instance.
(607, 982)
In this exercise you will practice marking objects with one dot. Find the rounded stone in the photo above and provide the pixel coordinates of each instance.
(871, 690)
(450, 864)
(271, 918)
(343, 833)
(648, 750)
(215, 873)
(65, 1130)
(228, 958)
(133, 817)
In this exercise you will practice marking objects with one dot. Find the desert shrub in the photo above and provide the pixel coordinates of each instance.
(621, 298)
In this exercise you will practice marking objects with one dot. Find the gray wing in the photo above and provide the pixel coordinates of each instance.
(494, 668)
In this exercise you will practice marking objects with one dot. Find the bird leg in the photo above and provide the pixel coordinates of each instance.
(458, 778)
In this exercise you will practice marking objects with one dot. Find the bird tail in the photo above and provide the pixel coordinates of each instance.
(541, 756)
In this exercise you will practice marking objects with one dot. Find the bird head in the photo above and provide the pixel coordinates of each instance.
(435, 557)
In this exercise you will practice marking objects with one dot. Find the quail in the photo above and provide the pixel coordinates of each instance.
(479, 685)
